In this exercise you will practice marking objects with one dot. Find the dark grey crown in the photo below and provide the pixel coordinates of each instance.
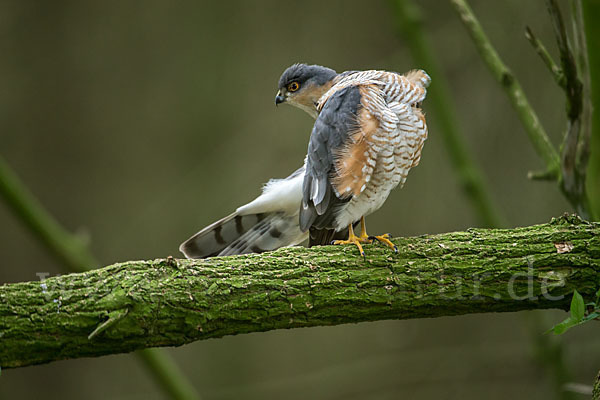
(302, 73)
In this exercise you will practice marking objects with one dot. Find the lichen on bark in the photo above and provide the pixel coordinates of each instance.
(165, 302)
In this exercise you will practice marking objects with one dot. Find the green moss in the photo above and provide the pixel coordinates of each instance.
(167, 303)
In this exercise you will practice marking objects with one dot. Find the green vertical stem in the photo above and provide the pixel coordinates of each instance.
(410, 25)
(73, 253)
(511, 86)
(549, 352)
(591, 16)
(573, 161)
(552, 352)
(63, 245)
(583, 66)
(167, 373)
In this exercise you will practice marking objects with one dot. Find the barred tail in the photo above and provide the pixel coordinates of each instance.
(242, 234)
(268, 222)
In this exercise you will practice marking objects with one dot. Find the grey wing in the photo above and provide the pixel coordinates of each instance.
(331, 132)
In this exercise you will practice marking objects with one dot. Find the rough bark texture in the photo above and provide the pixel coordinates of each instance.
(140, 304)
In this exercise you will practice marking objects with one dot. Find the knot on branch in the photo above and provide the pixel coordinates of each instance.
(568, 219)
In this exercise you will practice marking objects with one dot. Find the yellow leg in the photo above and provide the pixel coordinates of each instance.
(385, 238)
(355, 240)
(363, 231)
(365, 238)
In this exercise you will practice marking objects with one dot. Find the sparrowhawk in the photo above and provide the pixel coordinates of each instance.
(369, 132)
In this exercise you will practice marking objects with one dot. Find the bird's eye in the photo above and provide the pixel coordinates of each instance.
(292, 87)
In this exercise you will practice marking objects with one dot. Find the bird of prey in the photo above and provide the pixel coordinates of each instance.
(369, 132)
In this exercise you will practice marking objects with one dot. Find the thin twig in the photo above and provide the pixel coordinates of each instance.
(410, 26)
(527, 115)
(591, 15)
(573, 87)
(113, 317)
(543, 175)
(540, 49)
(167, 373)
(567, 60)
(583, 63)
(572, 176)
(77, 258)
(511, 86)
(571, 182)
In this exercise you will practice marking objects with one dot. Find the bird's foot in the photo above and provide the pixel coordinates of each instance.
(385, 239)
(355, 240)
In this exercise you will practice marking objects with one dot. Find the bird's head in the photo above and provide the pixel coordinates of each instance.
(302, 85)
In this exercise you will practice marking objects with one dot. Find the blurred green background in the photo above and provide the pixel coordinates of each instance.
(138, 123)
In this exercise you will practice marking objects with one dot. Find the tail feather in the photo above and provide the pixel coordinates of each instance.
(242, 234)
(268, 222)
(246, 242)
(211, 240)
(320, 237)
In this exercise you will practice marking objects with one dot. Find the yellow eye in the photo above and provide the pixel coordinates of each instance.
(292, 87)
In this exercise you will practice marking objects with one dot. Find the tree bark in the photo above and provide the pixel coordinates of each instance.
(167, 302)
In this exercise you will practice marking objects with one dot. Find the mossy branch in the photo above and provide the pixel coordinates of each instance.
(75, 256)
(173, 302)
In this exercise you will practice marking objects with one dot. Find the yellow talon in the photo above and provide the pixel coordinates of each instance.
(355, 240)
(364, 238)
(385, 239)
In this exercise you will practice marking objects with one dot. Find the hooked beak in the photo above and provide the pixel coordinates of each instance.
(279, 98)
